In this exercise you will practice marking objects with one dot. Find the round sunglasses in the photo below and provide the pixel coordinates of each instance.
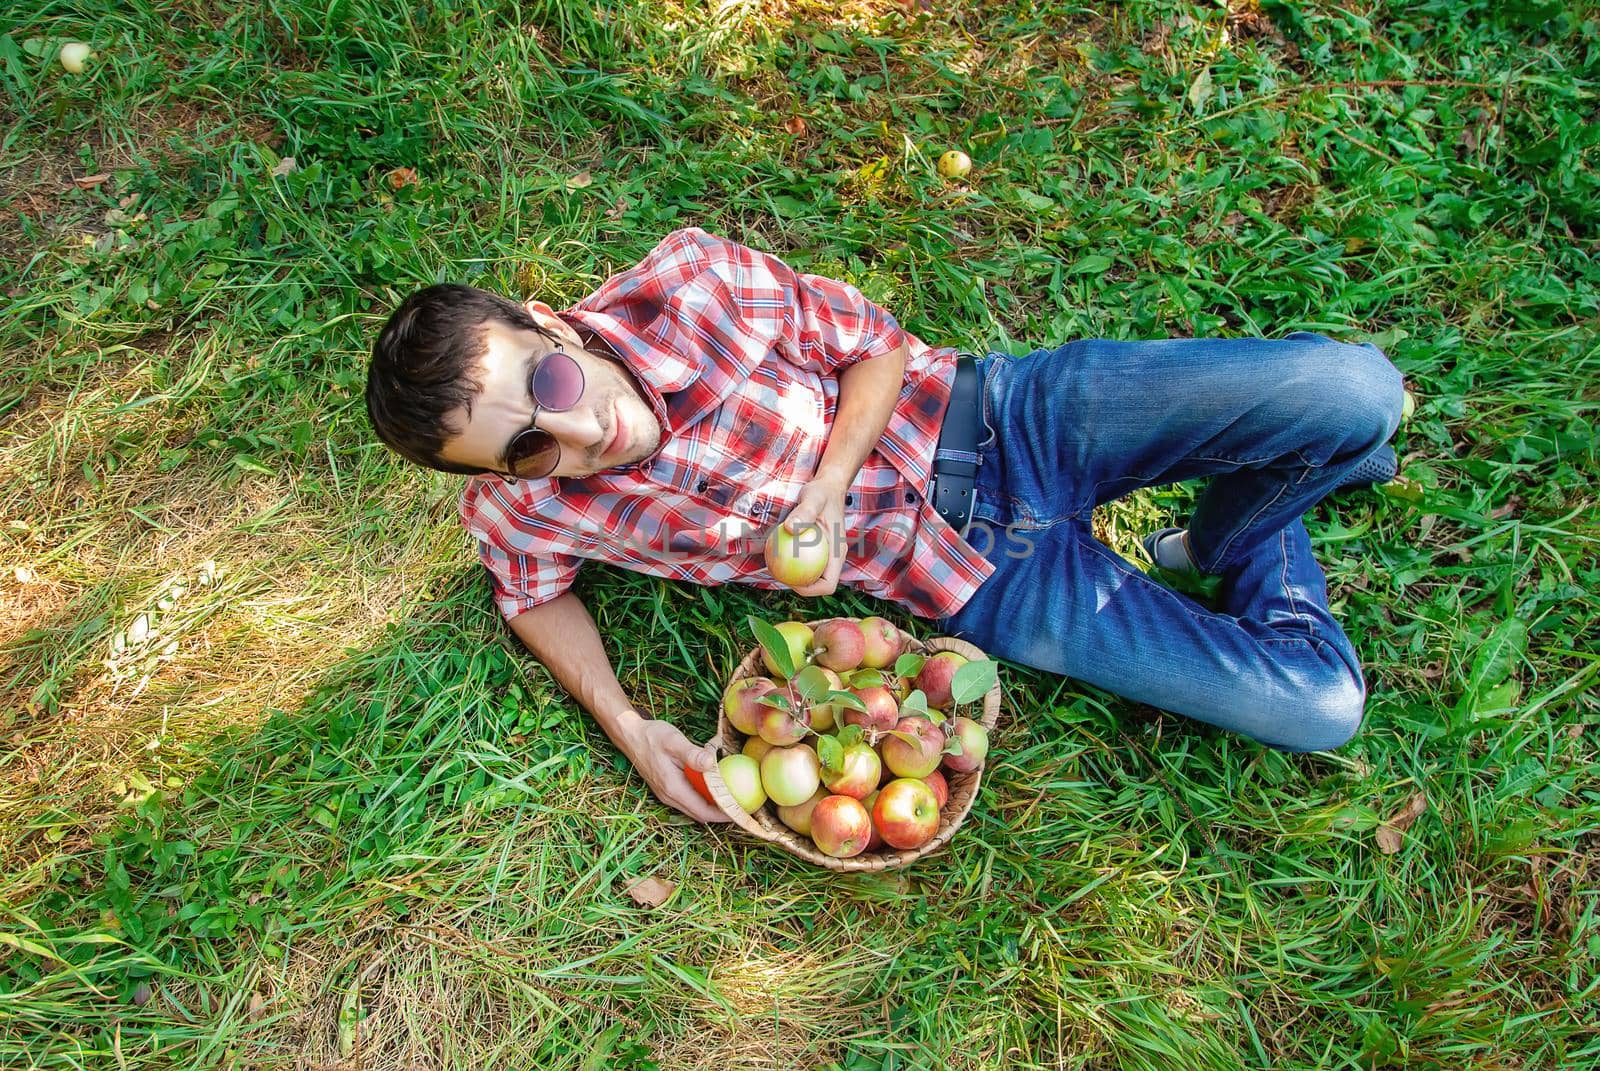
(555, 384)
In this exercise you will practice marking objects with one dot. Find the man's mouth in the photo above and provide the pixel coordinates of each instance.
(619, 431)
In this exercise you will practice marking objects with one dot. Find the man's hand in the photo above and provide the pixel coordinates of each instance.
(822, 502)
(659, 751)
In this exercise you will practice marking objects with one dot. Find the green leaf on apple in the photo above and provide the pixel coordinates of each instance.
(909, 664)
(851, 734)
(867, 678)
(916, 703)
(773, 643)
(973, 680)
(952, 745)
(777, 699)
(848, 700)
(813, 684)
(830, 752)
(910, 738)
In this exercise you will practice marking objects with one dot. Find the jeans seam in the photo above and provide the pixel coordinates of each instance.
(1222, 552)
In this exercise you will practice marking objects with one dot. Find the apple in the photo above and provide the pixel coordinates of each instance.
(743, 778)
(941, 787)
(840, 644)
(739, 703)
(876, 841)
(797, 634)
(881, 713)
(698, 780)
(974, 746)
(755, 747)
(900, 687)
(74, 56)
(937, 673)
(907, 813)
(798, 817)
(857, 774)
(781, 727)
(823, 715)
(883, 643)
(796, 559)
(790, 774)
(841, 826)
(954, 164)
(913, 760)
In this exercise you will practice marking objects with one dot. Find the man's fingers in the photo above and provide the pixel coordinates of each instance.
(691, 755)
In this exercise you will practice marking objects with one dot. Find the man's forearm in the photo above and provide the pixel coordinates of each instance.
(868, 391)
(562, 635)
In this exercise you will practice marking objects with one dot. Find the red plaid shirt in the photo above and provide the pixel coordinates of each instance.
(739, 357)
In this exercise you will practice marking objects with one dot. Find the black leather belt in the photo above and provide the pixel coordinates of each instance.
(955, 461)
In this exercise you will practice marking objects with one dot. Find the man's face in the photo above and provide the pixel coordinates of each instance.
(611, 425)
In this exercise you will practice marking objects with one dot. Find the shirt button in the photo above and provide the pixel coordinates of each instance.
(911, 496)
(702, 485)
(849, 500)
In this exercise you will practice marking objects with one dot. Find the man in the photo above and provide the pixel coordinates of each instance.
(667, 421)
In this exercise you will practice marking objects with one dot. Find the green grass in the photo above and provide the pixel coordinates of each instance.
(324, 811)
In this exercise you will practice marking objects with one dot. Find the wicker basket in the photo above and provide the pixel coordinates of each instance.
(765, 825)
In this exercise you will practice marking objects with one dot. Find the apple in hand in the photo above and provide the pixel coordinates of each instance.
(882, 643)
(913, 760)
(857, 774)
(974, 746)
(881, 713)
(937, 673)
(743, 778)
(790, 774)
(796, 559)
(941, 787)
(798, 816)
(740, 704)
(841, 826)
(797, 635)
(907, 813)
(840, 644)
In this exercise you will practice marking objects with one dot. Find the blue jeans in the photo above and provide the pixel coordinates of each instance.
(1272, 425)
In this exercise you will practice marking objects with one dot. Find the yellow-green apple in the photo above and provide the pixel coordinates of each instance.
(781, 726)
(740, 704)
(74, 56)
(881, 713)
(909, 759)
(839, 644)
(974, 746)
(798, 817)
(937, 673)
(755, 747)
(823, 715)
(857, 774)
(941, 787)
(907, 813)
(790, 774)
(743, 778)
(876, 840)
(796, 559)
(797, 636)
(955, 164)
(899, 687)
(841, 826)
(882, 643)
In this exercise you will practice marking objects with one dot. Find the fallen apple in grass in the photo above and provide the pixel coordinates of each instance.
(913, 759)
(798, 816)
(955, 164)
(75, 56)
(857, 774)
(906, 813)
(790, 774)
(743, 778)
(974, 746)
(797, 559)
(841, 827)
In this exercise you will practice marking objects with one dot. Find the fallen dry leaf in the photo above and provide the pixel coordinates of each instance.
(89, 182)
(284, 166)
(795, 125)
(1389, 835)
(651, 892)
(401, 177)
(257, 1005)
(580, 180)
(617, 209)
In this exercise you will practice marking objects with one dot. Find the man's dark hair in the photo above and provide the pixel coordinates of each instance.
(424, 365)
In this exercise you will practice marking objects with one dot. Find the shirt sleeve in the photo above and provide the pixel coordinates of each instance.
(519, 582)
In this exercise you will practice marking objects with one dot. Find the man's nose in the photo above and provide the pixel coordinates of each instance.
(578, 428)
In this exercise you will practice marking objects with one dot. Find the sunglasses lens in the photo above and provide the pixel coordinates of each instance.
(557, 382)
(532, 454)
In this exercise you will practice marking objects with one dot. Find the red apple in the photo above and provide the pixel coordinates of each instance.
(743, 778)
(797, 637)
(698, 780)
(739, 702)
(941, 787)
(840, 644)
(841, 826)
(798, 817)
(790, 774)
(858, 773)
(907, 813)
(974, 746)
(876, 841)
(796, 559)
(881, 713)
(913, 760)
(937, 672)
(781, 727)
(883, 643)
